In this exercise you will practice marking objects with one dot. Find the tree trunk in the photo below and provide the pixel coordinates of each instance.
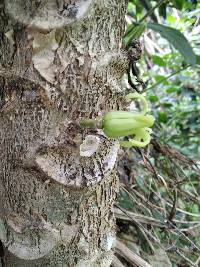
(60, 61)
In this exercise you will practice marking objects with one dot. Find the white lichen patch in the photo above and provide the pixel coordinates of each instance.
(58, 169)
(108, 242)
(89, 146)
(9, 35)
(44, 46)
(111, 157)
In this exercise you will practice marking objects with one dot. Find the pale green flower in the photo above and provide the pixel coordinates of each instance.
(116, 124)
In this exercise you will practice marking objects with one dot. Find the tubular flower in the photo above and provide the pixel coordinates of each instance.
(124, 123)
(116, 124)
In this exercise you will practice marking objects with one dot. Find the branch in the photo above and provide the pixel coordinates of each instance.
(152, 10)
(130, 256)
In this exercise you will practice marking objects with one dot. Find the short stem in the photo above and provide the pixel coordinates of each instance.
(91, 123)
(167, 77)
(152, 10)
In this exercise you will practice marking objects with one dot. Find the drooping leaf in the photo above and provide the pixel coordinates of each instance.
(198, 60)
(157, 60)
(153, 98)
(133, 32)
(172, 89)
(161, 78)
(162, 117)
(177, 39)
(178, 4)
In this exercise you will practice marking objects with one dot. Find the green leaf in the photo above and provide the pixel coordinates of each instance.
(167, 104)
(124, 200)
(171, 19)
(172, 89)
(178, 4)
(153, 98)
(131, 11)
(198, 60)
(140, 184)
(177, 39)
(161, 78)
(158, 61)
(133, 32)
(162, 117)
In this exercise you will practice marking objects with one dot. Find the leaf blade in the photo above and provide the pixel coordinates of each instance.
(177, 39)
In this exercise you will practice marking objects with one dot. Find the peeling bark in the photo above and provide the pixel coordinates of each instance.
(59, 61)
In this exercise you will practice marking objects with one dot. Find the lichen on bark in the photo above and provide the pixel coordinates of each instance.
(56, 203)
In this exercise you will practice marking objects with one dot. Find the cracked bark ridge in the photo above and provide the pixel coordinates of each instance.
(57, 188)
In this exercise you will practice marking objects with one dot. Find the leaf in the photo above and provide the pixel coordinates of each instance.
(167, 104)
(178, 4)
(198, 60)
(161, 78)
(171, 19)
(140, 184)
(153, 98)
(162, 117)
(134, 32)
(131, 11)
(172, 89)
(177, 39)
(158, 61)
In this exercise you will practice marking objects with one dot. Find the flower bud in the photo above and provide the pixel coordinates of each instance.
(124, 123)
(116, 124)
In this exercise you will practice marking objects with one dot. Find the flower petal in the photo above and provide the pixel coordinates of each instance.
(142, 98)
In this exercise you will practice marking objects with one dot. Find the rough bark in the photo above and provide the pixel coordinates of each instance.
(59, 61)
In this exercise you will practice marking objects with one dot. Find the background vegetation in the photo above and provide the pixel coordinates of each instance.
(158, 210)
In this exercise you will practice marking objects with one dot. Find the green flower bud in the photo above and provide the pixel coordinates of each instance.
(123, 123)
(116, 124)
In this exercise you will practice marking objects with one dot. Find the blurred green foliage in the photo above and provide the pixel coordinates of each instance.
(175, 100)
(163, 182)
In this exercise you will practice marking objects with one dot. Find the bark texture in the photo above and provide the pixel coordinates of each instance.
(59, 61)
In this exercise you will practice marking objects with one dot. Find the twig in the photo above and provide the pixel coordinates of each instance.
(140, 218)
(143, 230)
(187, 238)
(152, 10)
(185, 258)
(129, 255)
(171, 205)
(198, 261)
(153, 170)
(116, 262)
(134, 200)
(147, 202)
(172, 214)
(190, 228)
(167, 77)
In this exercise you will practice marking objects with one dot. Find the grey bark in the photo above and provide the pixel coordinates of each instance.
(59, 61)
